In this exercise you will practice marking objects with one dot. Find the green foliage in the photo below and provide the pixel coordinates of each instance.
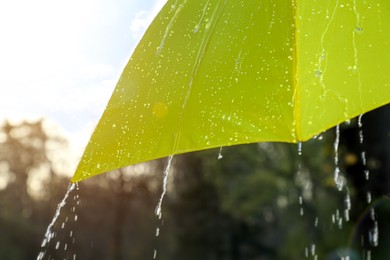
(258, 188)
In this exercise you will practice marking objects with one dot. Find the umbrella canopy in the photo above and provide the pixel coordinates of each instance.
(211, 73)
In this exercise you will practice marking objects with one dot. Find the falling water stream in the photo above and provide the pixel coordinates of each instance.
(373, 233)
(220, 156)
(340, 181)
(310, 250)
(299, 173)
(51, 233)
(158, 211)
(339, 216)
(338, 178)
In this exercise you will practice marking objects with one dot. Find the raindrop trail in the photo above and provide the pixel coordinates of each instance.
(363, 153)
(76, 199)
(338, 179)
(355, 50)
(348, 205)
(49, 232)
(196, 29)
(299, 172)
(341, 181)
(299, 148)
(158, 211)
(322, 61)
(363, 156)
(170, 24)
(373, 235)
(373, 232)
(220, 156)
(68, 236)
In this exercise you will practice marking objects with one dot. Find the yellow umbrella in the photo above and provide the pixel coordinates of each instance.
(211, 73)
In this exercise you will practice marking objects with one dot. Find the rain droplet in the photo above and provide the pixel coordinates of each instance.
(368, 197)
(196, 29)
(367, 174)
(363, 156)
(368, 255)
(361, 136)
(347, 201)
(220, 156)
(373, 235)
(158, 211)
(49, 234)
(346, 215)
(372, 213)
(340, 223)
(299, 148)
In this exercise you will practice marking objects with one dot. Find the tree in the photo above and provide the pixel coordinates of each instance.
(25, 149)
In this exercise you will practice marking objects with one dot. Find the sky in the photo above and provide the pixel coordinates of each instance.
(61, 60)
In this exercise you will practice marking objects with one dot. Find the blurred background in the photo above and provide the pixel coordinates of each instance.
(256, 201)
(59, 64)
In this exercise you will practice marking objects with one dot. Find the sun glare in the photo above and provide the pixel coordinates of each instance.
(61, 59)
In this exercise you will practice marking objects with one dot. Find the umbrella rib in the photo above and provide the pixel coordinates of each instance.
(170, 24)
(201, 52)
(295, 80)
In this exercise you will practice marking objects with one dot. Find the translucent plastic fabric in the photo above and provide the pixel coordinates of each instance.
(211, 73)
